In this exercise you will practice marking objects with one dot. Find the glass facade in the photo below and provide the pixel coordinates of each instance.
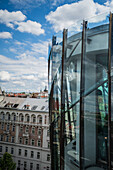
(80, 99)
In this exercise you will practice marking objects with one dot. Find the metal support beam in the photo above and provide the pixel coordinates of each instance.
(64, 46)
(110, 52)
(81, 136)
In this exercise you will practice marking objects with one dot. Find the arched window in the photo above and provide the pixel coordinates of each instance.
(9, 117)
(3, 116)
(28, 118)
(14, 117)
(40, 119)
(21, 117)
(34, 119)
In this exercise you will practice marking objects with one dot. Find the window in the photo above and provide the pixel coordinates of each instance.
(37, 167)
(32, 154)
(26, 141)
(9, 117)
(21, 118)
(48, 144)
(12, 139)
(19, 152)
(1, 137)
(48, 157)
(31, 166)
(0, 148)
(12, 150)
(20, 140)
(25, 153)
(3, 117)
(32, 142)
(19, 163)
(42, 107)
(2, 126)
(45, 119)
(13, 128)
(40, 119)
(28, 119)
(27, 129)
(15, 105)
(39, 131)
(7, 127)
(39, 143)
(34, 119)
(47, 132)
(21, 128)
(38, 155)
(7, 138)
(14, 117)
(47, 167)
(33, 130)
(34, 107)
(25, 165)
(6, 149)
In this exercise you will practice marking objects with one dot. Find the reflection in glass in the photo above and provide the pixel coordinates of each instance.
(96, 128)
(71, 155)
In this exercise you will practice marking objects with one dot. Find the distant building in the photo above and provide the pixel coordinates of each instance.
(24, 132)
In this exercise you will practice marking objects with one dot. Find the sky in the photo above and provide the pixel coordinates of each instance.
(26, 30)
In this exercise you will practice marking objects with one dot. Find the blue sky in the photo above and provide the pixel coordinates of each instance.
(26, 29)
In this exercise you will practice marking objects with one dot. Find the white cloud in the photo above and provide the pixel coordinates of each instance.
(17, 19)
(9, 18)
(19, 43)
(13, 50)
(5, 35)
(29, 77)
(4, 76)
(27, 71)
(72, 14)
(19, 83)
(40, 48)
(30, 27)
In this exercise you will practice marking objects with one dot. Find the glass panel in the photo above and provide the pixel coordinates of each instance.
(73, 69)
(96, 57)
(55, 150)
(55, 118)
(96, 129)
(71, 148)
(112, 121)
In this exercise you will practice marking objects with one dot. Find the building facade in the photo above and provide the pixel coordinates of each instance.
(24, 132)
(81, 98)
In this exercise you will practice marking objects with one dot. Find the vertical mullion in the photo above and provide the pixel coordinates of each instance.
(82, 79)
(63, 100)
(109, 90)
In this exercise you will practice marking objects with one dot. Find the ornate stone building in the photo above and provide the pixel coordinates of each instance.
(24, 132)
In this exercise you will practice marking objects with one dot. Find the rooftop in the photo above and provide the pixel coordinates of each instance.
(32, 104)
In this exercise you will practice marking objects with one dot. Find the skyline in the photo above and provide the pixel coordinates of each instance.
(26, 31)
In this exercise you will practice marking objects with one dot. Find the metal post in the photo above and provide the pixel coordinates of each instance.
(109, 90)
(63, 100)
(82, 79)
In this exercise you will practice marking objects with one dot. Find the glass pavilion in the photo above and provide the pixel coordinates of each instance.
(80, 73)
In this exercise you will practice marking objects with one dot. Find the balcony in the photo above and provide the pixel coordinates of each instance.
(25, 135)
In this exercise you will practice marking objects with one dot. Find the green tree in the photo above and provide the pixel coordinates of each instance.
(6, 162)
